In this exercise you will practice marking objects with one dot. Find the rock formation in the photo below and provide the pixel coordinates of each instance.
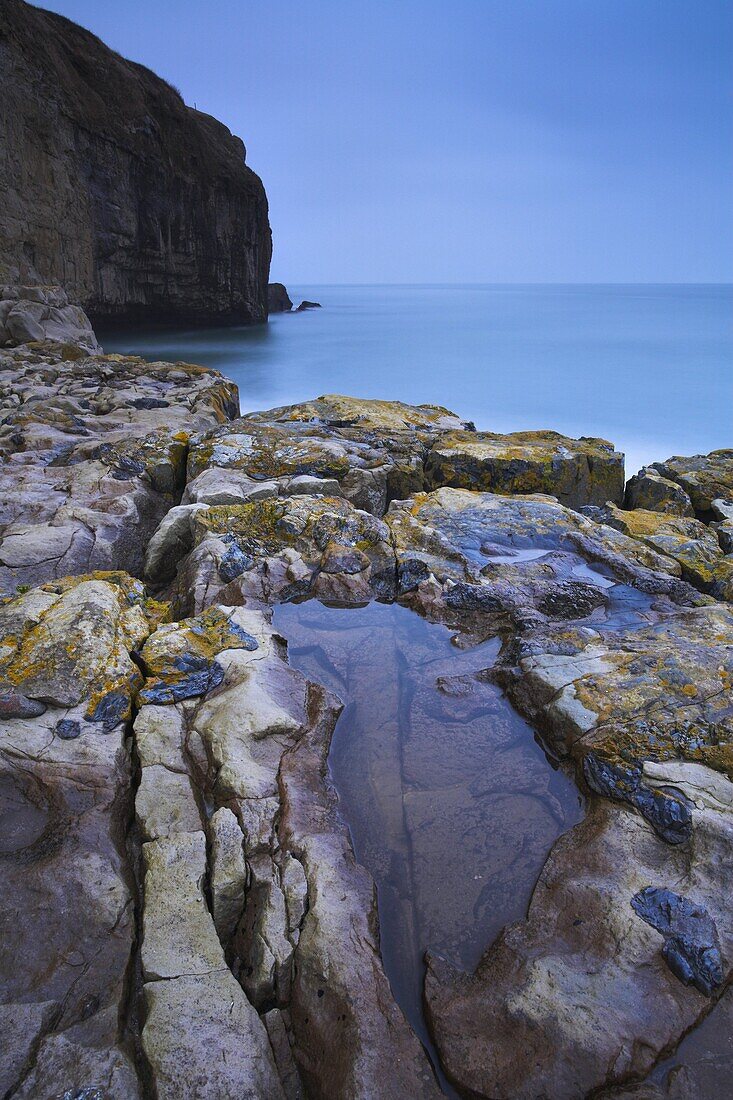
(278, 299)
(139, 206)
(184, 913)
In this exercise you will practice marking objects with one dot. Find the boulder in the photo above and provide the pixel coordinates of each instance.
(278, 300)
(576, 471)
(649, 490)
(688, 541)
(35, 314)
(703, 477)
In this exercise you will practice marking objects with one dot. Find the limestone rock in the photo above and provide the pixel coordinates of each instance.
(649, 490)
(347, 1028)
(228, 872)
(93, 455)
(584, 973)
(180, 658)
(76, 651)
(276, 549)
(43, 313)
(278, 299)
(688, 541)
(139, 206)
(179, 938)
(203, 1039)
(67, 915)
(703, 477)
(576, 471)
(337, 411)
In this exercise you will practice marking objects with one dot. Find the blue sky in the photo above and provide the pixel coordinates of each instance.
(465, 140)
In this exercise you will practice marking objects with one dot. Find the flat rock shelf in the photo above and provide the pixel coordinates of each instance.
(451, 802)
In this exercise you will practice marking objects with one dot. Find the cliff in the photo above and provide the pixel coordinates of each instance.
(139, 206)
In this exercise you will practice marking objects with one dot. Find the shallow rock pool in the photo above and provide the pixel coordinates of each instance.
(451, 801)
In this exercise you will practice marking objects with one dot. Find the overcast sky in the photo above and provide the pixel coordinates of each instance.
(464, 140)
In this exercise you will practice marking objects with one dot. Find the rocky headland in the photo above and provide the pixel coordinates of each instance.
(183, 913)
(141, 207)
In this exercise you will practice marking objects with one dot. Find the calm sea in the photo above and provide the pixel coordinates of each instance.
(648, 367)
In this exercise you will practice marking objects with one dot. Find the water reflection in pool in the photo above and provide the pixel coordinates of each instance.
(451, 802)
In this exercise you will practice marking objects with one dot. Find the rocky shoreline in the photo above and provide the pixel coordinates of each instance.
(184, 913)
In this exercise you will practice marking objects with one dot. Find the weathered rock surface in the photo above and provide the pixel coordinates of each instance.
(577, 471)
(255, 747)
(184, 912)
(693, 544)
(648, 489)
(274, 550)
(138, 205)
(30, 313)
(93, 455)
(68, 915)
(703, 478)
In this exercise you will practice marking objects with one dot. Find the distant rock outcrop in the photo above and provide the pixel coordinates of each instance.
(308, 305)
(139, 206)
(278, 299)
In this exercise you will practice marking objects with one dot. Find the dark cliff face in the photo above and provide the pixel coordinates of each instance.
(141, 207)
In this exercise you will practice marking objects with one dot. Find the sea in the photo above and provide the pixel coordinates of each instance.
(648, 367)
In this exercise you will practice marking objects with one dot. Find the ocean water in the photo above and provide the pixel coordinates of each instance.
(648, 367)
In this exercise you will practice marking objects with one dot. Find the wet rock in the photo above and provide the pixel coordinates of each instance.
(691, 944)
(668, 814)
(687, 541)
(349, 1036)
(482, 561)
(576, 471)
(583, 972)
(307, 305)
(649, 490)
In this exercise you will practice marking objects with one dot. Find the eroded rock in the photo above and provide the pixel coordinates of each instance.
(576, 471)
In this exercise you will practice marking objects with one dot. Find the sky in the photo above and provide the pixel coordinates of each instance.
(456, 141)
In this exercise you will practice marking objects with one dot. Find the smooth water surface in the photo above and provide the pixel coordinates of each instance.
(649, 367)
(451, 802)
